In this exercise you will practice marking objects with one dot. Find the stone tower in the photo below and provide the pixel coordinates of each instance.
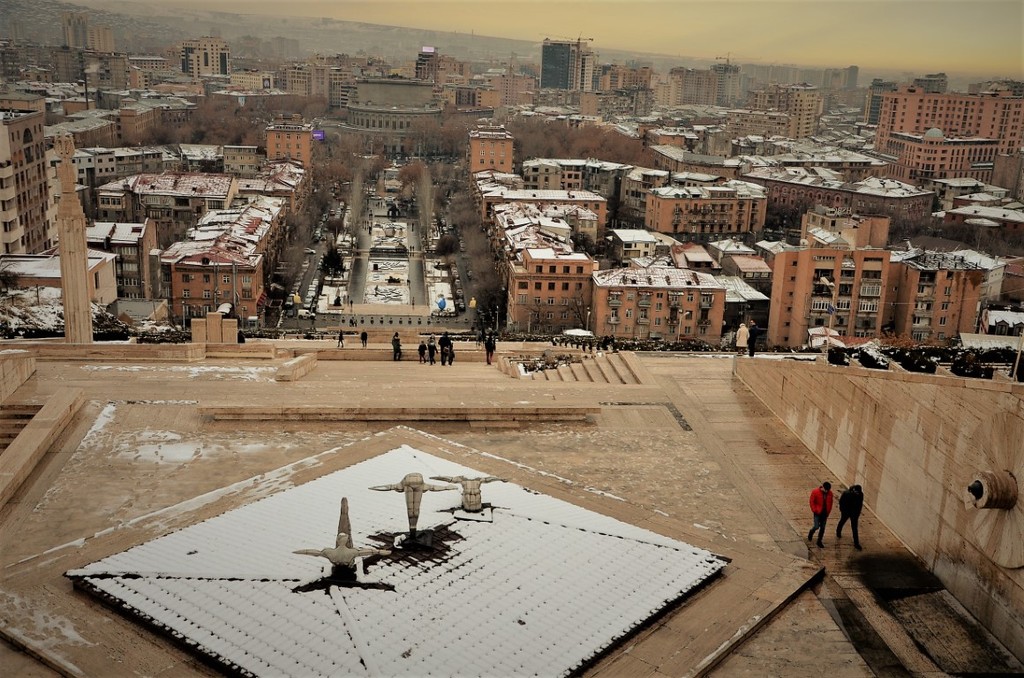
(74, 257)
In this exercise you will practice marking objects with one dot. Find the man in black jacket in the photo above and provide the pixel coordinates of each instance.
(850, 504)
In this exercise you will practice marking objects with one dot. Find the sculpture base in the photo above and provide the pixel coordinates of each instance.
(416, 539)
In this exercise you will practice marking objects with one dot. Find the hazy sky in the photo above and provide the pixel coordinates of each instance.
(956, 36)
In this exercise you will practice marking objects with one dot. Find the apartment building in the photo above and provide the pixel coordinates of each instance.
(800, 189)
(43, 270)
(631, 243)
(205, 56)
(174, 201)
(567, 65)
(873, 106)
(242, 161)
(1010, 222)
(839, 227)
(802, 102)
(253, 79)
(996, 115)
(658, 302)
(937, 295)
(550, 290)
(24, 188)
(718, 85)
(226, 259)
(922, 158)
(852, 302)
(491, 148)
(706, 213)
(131, 245)
(488, 193)
(289, 138)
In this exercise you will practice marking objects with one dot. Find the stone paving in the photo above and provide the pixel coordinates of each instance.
(689, 453)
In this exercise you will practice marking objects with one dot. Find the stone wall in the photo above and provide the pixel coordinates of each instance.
(915, 442)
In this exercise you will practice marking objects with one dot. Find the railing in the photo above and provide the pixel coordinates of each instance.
(643, 321)
(613, 302)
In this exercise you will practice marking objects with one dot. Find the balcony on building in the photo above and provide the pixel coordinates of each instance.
(614, 320)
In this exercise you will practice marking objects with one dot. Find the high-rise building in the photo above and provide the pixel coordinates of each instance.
(802, 102)
(75, 26)
(933, 83)
(567, 64)
(873, 107)
(101, 38)
(24, 187)
(205, 56)
(426, 64)
(929, 136)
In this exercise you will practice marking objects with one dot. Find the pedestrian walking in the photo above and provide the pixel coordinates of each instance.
(341, 339)
(445, 344)
(480, 338)
(431, 348)
(451, 354)
(396, 347)
(850, 504)
(821, 506)
(363, 337)
(753, 332)
(422, 350)
(742, 337)
(490, 344)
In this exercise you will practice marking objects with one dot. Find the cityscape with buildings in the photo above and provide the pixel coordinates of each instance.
(774, 273)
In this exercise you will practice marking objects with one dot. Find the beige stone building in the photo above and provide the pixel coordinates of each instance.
(802, 102)
(491, 148)
(550, 291)
(290, 139)
(205, 56)
(706, 213)
(937, 295)
(854, 305)
(853, 230)
(131, 245)
(658, 302)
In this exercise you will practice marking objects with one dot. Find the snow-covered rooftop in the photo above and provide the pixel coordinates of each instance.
(531, 586)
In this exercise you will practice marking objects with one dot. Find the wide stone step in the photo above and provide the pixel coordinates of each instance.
(489, 413)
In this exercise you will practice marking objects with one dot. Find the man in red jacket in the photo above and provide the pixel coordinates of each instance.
(821, 506)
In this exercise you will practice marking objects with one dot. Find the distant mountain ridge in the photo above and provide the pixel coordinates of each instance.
(151, 26)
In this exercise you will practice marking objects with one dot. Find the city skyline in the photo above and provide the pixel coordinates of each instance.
(955, 36)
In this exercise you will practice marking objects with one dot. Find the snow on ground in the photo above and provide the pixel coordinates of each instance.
(206, 372)
(526, 593)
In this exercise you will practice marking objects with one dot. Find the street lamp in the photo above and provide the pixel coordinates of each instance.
(831, 309)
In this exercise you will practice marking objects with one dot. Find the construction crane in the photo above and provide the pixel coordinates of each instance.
(725, 58)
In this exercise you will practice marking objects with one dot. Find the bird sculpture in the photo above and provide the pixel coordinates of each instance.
(413, 486)
(472, 498)
(343, 554)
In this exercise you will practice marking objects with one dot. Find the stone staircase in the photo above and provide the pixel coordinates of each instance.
(608, 368)
(13, 419)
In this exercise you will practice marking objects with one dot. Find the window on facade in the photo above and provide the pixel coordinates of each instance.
(551, 287)
(206, 277)
(185, 277)
(207, 294)
(538, 285)
(185, 294)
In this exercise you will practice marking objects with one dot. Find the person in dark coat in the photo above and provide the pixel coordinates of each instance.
(445, 344)
(341, 339)
(821, 506)
(451, 354)
(422, 350)
(363, 337)
(851, 502)
(490, 344)
(396, 347)
(431, 349)
(753, 332)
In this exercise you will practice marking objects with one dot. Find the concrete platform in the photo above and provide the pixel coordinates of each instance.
(688, 452)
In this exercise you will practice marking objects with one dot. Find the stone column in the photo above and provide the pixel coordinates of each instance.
(74, 256)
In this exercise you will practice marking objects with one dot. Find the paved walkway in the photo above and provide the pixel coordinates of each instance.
(690, 453)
